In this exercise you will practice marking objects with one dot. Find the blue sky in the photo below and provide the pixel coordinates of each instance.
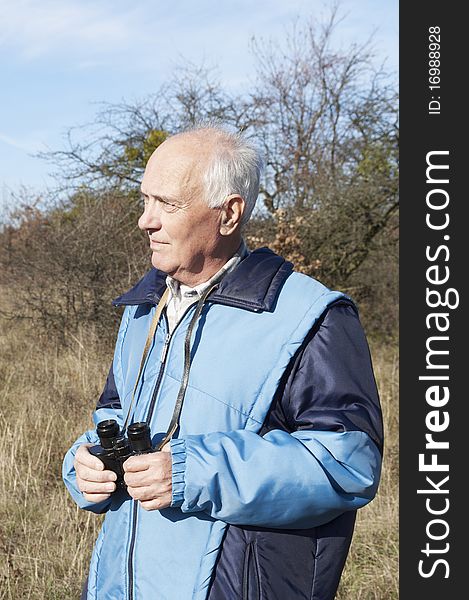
(59, 58)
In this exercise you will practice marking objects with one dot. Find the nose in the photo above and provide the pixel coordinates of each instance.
(150, 219)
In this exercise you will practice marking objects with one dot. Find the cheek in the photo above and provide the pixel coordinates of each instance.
(208, 229)
(192, 234)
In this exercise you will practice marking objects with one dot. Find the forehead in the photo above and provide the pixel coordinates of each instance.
(176, 166)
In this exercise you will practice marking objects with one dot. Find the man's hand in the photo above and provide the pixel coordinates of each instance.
(149, 478)
(95, 482)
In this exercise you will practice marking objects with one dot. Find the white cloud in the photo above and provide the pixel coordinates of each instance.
(29, 145)
(37, 28)
(144, 34)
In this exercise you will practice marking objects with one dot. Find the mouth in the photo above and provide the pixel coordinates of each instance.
(156, 245)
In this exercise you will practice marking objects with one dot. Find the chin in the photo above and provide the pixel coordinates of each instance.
(159, 263)
(156, 261)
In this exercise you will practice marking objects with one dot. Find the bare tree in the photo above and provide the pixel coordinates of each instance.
(326, 121)
(113, 150)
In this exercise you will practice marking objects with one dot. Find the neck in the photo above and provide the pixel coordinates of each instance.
(211, 265)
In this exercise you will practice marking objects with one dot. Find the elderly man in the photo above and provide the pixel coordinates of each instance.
(257, 385)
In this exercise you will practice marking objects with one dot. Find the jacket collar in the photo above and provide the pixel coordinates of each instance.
(253, 285)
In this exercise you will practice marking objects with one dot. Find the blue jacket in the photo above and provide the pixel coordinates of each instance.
(279, 442)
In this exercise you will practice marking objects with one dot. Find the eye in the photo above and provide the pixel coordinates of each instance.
(168, 206)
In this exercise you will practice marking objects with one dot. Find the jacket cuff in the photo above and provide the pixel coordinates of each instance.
(178, 456)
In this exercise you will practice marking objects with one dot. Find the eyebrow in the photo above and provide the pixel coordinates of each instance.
(166, 199)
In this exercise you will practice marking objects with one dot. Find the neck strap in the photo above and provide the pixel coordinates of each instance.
(174, 423)
(151, 333)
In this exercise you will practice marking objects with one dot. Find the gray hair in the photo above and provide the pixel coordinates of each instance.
(235, 168)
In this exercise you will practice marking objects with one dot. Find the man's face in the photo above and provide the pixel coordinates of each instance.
(184, 232)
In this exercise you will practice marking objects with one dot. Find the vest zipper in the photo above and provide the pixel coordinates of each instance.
(163, 357)
(130, 565)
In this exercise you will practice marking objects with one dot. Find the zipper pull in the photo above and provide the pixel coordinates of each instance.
(165, 348)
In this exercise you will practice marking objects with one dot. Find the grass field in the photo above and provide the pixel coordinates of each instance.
(47, 395)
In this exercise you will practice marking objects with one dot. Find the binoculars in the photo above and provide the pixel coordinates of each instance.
(115, 448)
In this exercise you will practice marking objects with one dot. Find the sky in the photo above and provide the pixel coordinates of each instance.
(60, 58)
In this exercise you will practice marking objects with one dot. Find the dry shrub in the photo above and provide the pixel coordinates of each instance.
(63, 265)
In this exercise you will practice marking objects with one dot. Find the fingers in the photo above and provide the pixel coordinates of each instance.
(143, 462)
(94, 481)
(149, 479)
(135, 464)
(92, 487)
(145, 478)
(148, 493)
(90, 468)
(96, 497)
(146, 469)
(88, 460)
(95, 491)
(157, 503)
(92, 475)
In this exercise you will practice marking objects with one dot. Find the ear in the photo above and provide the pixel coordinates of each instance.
(231, 214)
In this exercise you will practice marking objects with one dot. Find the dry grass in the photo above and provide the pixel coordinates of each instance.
(45, 541)
(371, 571)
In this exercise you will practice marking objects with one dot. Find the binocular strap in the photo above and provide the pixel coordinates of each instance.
(151, 333)
(174, 423)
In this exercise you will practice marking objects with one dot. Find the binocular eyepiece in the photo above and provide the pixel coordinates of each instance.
(115, 448)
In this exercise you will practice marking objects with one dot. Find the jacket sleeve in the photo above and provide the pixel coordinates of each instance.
(108, 407)
(320, 454)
